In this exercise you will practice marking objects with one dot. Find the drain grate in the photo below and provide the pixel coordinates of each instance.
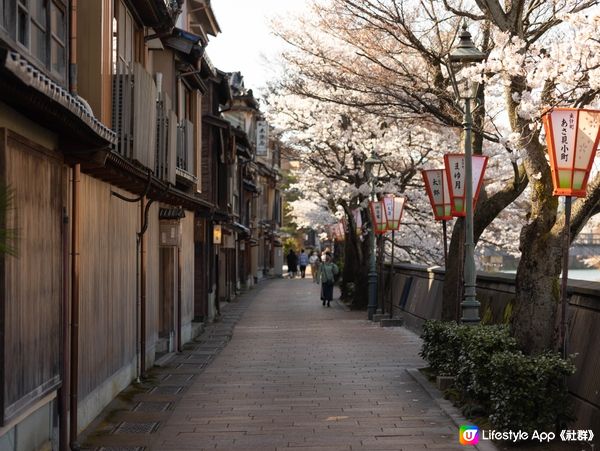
(167, 390)
(121, 448)
(177, 379)
(136, 428)
(152, 406)
(192, 365)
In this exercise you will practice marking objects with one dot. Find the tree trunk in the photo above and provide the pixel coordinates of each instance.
(361, 290)
(537, 288)
(537, 291)
(351, 262)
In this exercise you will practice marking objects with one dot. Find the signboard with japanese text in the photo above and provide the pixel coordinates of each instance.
(378, 217)
(262, 137)
(394, 207)
(572, 136)
(455, 173)
(436, 185)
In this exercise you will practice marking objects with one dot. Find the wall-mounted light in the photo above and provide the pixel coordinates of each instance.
(217, 234)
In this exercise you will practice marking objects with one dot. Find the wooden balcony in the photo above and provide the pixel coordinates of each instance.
(166, 140)
(134, 114)
(185, 152)
(137, 111)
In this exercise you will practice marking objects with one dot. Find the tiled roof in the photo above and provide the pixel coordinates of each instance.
(36, 80)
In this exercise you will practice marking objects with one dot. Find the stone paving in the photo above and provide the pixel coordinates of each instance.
(292, 375)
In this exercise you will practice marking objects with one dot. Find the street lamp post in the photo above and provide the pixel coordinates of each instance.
(371, 164)
(464, 56)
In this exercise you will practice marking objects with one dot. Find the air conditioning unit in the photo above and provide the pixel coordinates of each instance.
(170, 233)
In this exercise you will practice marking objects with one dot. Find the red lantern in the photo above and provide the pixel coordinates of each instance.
(436, 184)
(378, 217)
(455, 172)
(572, 136)
(393, 211)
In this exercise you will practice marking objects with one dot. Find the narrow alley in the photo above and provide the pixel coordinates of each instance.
(295, 375)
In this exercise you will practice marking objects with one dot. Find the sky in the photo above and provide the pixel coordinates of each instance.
(246, 43)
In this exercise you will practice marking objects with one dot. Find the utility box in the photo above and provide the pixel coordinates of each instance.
(170, 233)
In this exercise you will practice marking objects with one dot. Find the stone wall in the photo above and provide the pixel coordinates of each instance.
(416, 292)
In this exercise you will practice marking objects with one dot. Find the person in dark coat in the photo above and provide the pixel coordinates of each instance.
(329, 271)
(292, 262)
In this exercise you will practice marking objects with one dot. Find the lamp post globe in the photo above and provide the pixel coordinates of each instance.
(372, 165)
(464, 56)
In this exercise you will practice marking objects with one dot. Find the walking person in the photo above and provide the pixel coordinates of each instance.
(303, 262)
(315, 266)
(292, 262)
(329, 271)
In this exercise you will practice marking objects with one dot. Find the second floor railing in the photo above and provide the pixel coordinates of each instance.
(134, 113)
(137, 110)
(166, 140)
(185, 150)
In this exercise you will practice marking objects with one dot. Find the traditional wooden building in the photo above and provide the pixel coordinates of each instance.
(264, 206)
(101, 130)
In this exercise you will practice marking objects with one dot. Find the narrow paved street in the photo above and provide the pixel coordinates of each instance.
(303, 376)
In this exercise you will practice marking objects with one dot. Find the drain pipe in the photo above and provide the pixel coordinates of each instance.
(63, 391)
(73, 48)
(74, 379)
(179, 298)
(142, 241)
(71, 377)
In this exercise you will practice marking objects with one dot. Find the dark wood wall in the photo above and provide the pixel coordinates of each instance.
(30, 283)
(107, 325)
(187, 268)
(152, 283)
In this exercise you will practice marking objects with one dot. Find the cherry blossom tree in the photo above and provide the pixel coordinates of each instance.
(388, 58)
(332, 142)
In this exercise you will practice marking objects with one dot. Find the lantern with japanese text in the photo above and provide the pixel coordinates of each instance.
(436, 185)
(378, 217)
(455, 173)
(393, 211)
(572, 136)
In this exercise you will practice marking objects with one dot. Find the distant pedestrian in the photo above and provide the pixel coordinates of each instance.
(329, 271)
(315, 266)
(292, 262)
(303, 262)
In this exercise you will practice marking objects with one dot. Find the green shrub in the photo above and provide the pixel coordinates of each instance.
(518, 392)
(473, 372)
(442, 346)
(529, 392)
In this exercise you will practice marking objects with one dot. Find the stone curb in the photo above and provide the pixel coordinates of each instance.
(446, 406)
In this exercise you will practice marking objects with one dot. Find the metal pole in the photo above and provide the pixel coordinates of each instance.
(445, 229)
(381, 285)
(392, 278)
(470, 305)
(372, 277)
(565, 277)
(75, 259)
